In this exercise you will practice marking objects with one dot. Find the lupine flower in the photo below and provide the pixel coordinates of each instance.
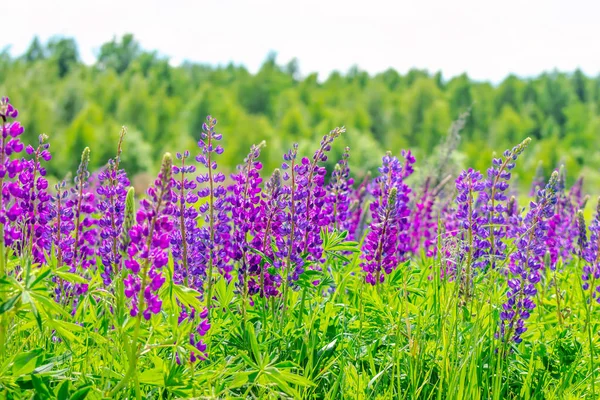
(82, 203)
(31, 196)
(288, 256)
(591, 256)
(380, 245)
(392, 174)
(215, 236)
(310, 197)
(197, 334)
(189, 261)
(474, 239)
(422, 224)
(449, 240)
(62, 224)
(245, 202)
(268, 230)
(526, 263)
(494, 200)
(112, 192)
(355, 224)
(338, 200)
(148, 250)
(10, 168)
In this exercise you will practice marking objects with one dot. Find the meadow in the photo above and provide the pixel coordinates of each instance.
(298, 282)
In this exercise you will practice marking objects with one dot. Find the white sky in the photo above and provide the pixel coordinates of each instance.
(486, 39)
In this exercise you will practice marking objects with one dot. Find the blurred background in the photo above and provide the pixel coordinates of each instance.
(396, 74)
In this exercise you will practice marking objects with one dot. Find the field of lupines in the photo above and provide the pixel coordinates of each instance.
(293, 283)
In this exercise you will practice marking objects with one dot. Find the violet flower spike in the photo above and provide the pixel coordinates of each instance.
(148, 250)
(526, 263)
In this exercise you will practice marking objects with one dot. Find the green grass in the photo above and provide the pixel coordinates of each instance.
(414, 337)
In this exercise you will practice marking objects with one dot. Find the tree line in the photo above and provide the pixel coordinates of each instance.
(164, 107)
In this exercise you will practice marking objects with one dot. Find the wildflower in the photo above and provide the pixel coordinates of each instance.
(189, 261)
(269, 229)
(526, 263)
(215, 236)
(380, 245)
(245, 202)
(112, 192)
(148, 250)
(493, 200)
(337, 201)
(590, 254)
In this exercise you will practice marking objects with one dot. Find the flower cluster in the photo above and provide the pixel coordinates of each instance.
(494, 200)
(475, 231)
(215, 236)
(148, 251)
(189, 261)
(526, 263)
(111, 195)
(269, 229)
(385, 244)
(338, 200)
(245, 201)
(590, 253)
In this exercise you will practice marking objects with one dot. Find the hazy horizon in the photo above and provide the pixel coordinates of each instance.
(488, 42)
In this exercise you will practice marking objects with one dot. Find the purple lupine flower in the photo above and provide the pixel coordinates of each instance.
(245, 202)
(474, 230)
(10, 168)
(380, 244)
(268, 230)
(563, 230)
(526, 263)
(148, 250)
(197, 334)
(189, 261)
(214, 237)
(355, 224)
(392, 174)
(494, 201)
(82, 202)
(37, 236)
(338, 200)
(422, 225)
(287, 257)
(449, 240)
(62, 238)
(514, 218)
(112, 193)
(310, 197)
(403, 210)
(590, 253)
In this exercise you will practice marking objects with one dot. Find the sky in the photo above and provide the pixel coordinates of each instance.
(488, 40)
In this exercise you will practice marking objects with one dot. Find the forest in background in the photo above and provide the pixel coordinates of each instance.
(164, 106)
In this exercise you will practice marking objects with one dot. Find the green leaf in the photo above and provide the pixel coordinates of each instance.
(81, 393)
(154, 377)
(70, 277)
(40, 387)
(62, 391)
(24, 363)
(9, 304)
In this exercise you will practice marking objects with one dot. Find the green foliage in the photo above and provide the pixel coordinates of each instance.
(413, 337)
